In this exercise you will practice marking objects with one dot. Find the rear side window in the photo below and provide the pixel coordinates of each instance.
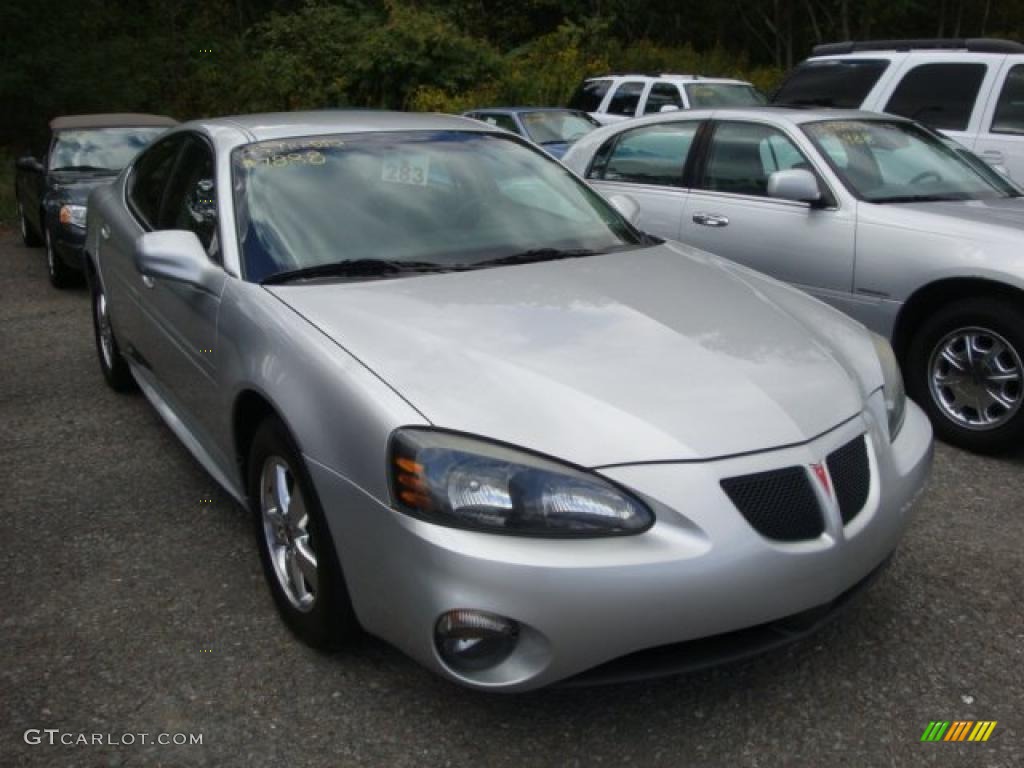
(149, 178)
(1009, 117)
(663, 95)
(939, 95)
(626, 98)
(841, 83)
(654, 154)
(499, 121)
(589, 95)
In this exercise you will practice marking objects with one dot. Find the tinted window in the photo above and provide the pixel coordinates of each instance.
(842, 83)
(149, 178)
(589, 95)
(557, 126)
(744, 155)
(662, 95)
(191, 202)
(1009, 117)
(626, 98)
(653, 154)
(940, 95)
(107, 149)
(505, 122)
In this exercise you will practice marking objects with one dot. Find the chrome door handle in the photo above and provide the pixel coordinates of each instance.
(105, 232)
(993, 155)
(148, 281)
(710, 220)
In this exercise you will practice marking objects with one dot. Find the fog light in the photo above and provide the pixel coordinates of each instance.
(473, 640)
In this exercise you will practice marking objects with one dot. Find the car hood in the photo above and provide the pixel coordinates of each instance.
(985, 219)
(657, 354)
(556, 149)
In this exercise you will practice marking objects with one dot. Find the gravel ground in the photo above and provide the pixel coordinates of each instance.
(132, 604)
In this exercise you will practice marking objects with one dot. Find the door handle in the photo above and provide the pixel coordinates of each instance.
(710, 220)
(992, 156)
(105, 232)
(148, 281)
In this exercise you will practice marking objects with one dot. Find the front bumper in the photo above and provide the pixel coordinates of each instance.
(69, 245)
(700, 571)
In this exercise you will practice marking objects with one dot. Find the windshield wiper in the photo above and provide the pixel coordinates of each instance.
(534, 255)
(356, 268)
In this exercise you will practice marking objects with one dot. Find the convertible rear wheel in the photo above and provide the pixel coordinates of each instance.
(28, 237)
(61, 275)
(299, 560)
(966, 368)
(115, 368)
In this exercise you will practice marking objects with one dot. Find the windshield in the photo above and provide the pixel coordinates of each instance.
(893, 162)
(557, 127)
(448, 198)
(103, 149)
(703, 95)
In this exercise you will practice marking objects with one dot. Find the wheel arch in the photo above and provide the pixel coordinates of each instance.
(251, 408)
(931, 297)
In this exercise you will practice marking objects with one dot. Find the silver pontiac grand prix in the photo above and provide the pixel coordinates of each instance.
(478, 414)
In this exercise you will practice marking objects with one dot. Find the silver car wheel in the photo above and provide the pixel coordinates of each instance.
(51, 257)
(21, 223)
(106, 332)
(975, 377)
(286, 531)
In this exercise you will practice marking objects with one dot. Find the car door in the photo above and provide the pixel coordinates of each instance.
(1001, 142)
(729, 213)
(184, 354)
(647, 164)
(144, 192)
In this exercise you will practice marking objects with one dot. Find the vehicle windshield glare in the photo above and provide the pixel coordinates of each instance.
(893, 162)
(453, 199)
(101, 149)
(708, 95)
(553, 127)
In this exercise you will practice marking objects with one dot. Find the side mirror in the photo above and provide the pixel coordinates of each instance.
(28, 163)
(626, 206)
(176, 254)
(797, 185)
(669, 108)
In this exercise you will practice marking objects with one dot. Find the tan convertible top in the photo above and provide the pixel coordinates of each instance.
(113, 120)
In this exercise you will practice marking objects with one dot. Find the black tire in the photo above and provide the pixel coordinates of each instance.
(1000, 317)
(329, 621)
(112, 363)
(61, 275)
(29, 236)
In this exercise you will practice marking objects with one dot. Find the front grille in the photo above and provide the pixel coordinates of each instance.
(779, 504)
(851, 477)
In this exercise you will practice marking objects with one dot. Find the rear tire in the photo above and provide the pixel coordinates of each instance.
(112, 363)
(28, 236)
(964, 367)
(61, 275)
(299, 560)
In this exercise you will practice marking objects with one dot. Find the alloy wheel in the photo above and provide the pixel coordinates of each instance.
(975, 377)
(286, 532)
(51, 263)
(106, 332)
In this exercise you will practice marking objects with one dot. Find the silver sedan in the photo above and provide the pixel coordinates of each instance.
(476, 413)
(903, 229)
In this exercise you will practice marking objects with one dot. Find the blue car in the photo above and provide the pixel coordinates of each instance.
(552, 128)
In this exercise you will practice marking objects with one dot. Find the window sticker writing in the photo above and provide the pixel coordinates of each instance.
(409, 169)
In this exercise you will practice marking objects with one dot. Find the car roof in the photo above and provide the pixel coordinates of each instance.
(523, 109)
(111, 120)
(669, 77)
(792, 115)
(281, 125)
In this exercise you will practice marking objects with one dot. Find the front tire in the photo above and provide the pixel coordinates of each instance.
(61, 275)
(296, 549)
(965, 367)
(28, 235)
(112, 363)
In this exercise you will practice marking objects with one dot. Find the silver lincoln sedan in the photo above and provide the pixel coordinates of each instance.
(476, 413)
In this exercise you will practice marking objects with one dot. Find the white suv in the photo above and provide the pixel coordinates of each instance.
(971, 90)
(618, 97)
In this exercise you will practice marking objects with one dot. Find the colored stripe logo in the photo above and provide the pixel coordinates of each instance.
(959, 730)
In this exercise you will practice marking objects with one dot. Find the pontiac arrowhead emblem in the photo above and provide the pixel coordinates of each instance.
(822, 474)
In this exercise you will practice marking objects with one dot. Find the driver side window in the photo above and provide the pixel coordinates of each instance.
(744, 155)
(191, 201)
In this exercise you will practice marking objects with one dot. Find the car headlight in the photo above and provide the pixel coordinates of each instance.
(892, 385)
(467, 482)
(73, 215)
